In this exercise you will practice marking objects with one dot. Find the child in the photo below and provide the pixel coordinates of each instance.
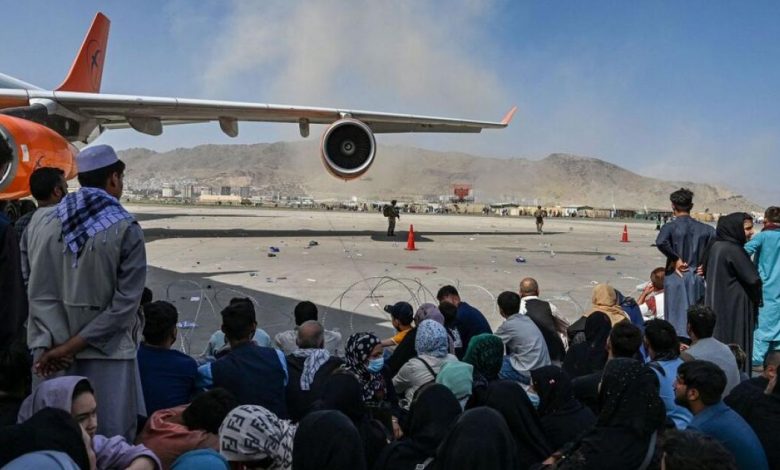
(401, 314)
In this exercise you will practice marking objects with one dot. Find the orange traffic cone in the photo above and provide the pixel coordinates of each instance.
(410, 240)
(624, 238)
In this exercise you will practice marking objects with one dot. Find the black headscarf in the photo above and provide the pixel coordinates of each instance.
(730, 229)
(343, 392)
(553, 386)
(430, 418)
(509, 399)
(327, 440)
(590, 356)
(563, 418)
(479, 439)
(631, 411)
(629, 398)
(48, 429)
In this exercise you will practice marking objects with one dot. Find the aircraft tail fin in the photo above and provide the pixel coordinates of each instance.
(86, 72)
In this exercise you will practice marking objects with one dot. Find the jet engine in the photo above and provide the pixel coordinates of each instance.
(348, 148)
(31, 146)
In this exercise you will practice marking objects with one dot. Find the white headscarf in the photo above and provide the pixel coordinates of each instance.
(251, 432)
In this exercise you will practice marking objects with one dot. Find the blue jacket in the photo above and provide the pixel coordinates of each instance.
(256, 375)
(470, 323)
(728, 427)
(667, 373)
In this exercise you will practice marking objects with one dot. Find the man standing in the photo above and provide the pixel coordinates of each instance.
(13, 307)
(540, 215)
(698, 387)
(470, 321)
(391, 212)
(48, 187)
(766, 248)
(85, 269)
(541, 313)
(683, 241)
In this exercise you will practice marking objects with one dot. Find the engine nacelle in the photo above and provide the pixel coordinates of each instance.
(33, 146)
(348, 148)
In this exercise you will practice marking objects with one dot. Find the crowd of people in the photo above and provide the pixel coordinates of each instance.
(90, 379)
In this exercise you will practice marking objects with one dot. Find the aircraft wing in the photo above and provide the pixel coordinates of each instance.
(146, 113)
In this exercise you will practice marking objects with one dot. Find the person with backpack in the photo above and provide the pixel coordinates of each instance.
(432, 345)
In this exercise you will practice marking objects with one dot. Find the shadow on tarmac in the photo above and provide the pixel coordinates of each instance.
(151, 234)
(200, 300)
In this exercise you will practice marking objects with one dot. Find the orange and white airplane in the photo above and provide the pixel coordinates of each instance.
(46, 127)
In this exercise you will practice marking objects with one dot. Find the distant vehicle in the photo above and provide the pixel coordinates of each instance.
(43, 127)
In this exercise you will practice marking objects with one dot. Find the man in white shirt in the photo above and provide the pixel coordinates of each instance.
(651, 300)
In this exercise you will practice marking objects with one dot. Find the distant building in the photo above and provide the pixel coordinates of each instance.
(245, 192)
(224, 191)
(188, 191)
(167, 191)
(219, 200)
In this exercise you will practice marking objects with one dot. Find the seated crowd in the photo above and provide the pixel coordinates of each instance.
(445, 392)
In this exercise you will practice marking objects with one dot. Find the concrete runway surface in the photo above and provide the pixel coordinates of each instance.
(201, 257)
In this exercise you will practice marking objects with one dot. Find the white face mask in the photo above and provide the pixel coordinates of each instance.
(463, 402)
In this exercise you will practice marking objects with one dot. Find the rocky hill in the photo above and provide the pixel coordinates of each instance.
(294, 168)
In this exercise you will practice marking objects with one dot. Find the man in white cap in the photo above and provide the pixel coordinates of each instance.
(85, 270)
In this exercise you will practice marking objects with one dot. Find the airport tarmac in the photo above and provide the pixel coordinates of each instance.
(200, 257)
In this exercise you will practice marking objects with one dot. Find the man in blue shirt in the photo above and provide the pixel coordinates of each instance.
(663, 347)
(167, 375)
(470, 321)
(256, 375)
(698, 387)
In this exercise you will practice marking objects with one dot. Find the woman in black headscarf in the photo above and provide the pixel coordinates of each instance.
(733, 284)
(480, 439)
(509, 399)
(625, 431)
(431, 415)
(563, 418)
(327, 440)
(591, 355)
(49, 429)
(343, 392)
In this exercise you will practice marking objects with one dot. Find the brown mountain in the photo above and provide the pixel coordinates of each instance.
(294, 168)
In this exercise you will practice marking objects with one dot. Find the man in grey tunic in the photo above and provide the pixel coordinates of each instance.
(84, 263)
(683, 241)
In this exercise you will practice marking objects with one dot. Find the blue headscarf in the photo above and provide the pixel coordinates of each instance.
(432, 339)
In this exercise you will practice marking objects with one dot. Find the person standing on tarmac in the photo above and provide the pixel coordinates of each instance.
(540, 214)
(391, 212)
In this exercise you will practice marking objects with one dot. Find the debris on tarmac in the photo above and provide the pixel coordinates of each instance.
(609, 258)
(273, 249)
(520, 259)
(313, 243)
(271, 255)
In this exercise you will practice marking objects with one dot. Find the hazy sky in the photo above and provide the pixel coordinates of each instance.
(679, 90)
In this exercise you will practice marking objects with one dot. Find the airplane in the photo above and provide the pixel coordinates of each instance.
(47, 127)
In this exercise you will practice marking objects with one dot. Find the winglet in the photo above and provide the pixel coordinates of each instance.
(86, 72)
(508, 117)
